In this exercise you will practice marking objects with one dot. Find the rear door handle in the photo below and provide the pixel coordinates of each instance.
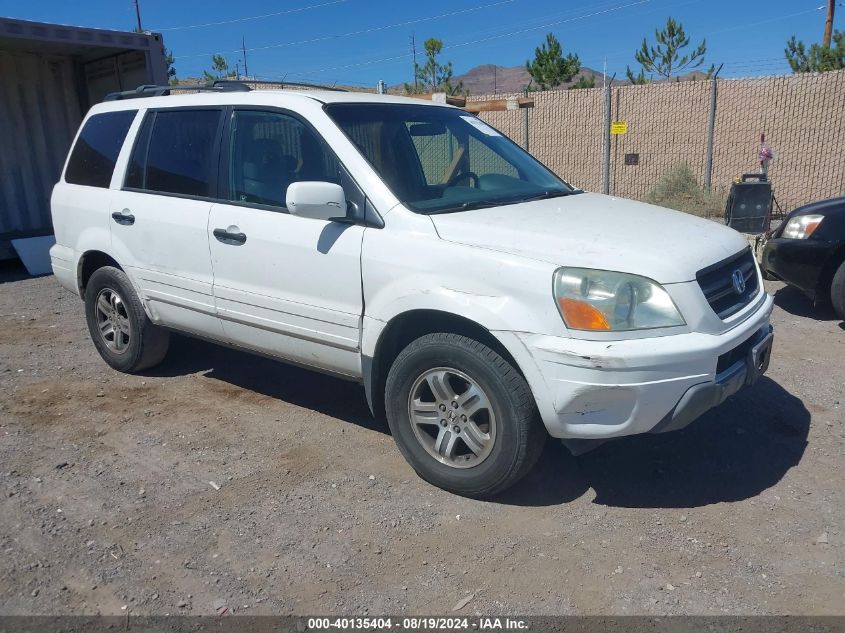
(123, 217)
(231, 238)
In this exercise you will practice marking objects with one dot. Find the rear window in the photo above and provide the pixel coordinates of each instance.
(95, 153)
(175, 153)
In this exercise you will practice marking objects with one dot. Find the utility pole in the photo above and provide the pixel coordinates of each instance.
(495, 90)
(243, 48)
(604, 74)
(414, 53)
(828, 24)
(138, 17)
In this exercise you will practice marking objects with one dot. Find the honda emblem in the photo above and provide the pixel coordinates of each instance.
(738, 281)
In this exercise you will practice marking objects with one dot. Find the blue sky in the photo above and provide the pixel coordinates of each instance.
(362, 41)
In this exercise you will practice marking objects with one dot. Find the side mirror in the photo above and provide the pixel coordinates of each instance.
(317, 200)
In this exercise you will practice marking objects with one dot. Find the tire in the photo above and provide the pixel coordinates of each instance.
(505, 431)
(837, 292)
(120, 329)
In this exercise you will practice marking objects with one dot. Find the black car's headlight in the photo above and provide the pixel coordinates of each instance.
(801, 226)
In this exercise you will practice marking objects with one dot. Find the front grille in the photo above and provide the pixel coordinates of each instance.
(717, 283)
(738, 353)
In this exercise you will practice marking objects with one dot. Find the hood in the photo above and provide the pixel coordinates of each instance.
(827, 207)
(590, 230)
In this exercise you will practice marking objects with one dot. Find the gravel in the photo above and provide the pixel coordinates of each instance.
(221, 482)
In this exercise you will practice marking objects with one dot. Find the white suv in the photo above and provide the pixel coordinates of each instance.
(482, 302)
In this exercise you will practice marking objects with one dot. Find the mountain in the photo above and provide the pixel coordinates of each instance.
(488, 79)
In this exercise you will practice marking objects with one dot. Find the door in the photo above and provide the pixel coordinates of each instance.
(284, 285)
(160, 216)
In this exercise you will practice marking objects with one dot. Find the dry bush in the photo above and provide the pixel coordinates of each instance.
(678, 189)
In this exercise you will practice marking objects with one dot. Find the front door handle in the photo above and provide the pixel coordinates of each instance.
(123, 217)
(232, 238)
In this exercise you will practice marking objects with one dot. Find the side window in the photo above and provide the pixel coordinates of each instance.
(95, 153)
(135, 171)
(394, 152)
(175, 153)
(269, 151)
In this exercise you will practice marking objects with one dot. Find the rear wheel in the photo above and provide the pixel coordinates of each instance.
(462, 416)
(120, 329)
(837, 292)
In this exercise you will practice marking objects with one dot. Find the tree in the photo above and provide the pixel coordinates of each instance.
(220, 69)
(171, 70)
(639, 79)
(664, 59)
(550, 68)
(434, 76)
(819, 58)
(583, 82)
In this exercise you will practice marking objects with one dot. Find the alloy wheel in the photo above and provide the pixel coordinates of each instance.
(113, 321)
(452, 417)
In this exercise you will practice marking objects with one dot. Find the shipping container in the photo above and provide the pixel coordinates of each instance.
(50, 74)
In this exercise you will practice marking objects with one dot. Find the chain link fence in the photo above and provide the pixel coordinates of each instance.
(670, 124)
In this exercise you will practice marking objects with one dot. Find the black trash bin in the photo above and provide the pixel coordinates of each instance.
(749, 207)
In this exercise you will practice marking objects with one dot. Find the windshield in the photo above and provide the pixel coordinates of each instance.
(439, 159)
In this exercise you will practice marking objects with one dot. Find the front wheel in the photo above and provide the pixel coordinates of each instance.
(462, 415)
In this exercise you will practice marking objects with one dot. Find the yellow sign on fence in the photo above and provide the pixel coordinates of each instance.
(619, 127)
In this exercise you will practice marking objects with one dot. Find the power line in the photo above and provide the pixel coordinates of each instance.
(617, 54)
(252, 17)
(478, 41)
(548, 24)
(358, 32)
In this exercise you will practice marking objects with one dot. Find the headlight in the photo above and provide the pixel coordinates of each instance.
(608, 301)
(802, 226)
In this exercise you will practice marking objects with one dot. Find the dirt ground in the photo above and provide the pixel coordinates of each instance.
(107, 503)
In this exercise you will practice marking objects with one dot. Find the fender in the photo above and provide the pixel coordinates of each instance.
(498, 293)
(412, 268)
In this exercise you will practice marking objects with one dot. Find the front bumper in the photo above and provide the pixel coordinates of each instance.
(797, 262)
(604, 389)
(752, 361)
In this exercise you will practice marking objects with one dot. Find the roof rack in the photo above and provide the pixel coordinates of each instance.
(281, 84)
(148, 90)
(218, 85)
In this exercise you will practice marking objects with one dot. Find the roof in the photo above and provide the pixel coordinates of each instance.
(258, 97)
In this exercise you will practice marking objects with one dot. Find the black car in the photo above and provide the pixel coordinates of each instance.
(808, 251)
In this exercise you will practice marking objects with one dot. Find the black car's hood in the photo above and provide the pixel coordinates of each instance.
(822, 207)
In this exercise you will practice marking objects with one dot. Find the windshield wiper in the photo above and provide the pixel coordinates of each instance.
(468, 206)
(550, 194)
(483, 204)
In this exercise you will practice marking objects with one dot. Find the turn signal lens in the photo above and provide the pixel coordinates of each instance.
(582, 316)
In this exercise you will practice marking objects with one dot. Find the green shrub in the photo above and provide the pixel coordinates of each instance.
(678, 189)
